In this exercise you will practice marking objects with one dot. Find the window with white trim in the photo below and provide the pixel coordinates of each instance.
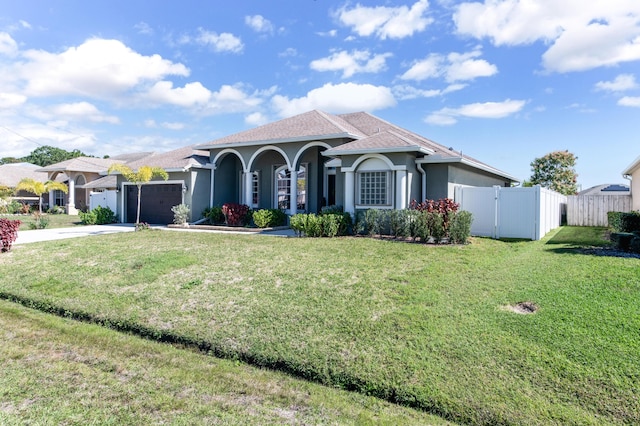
(374, 188)
(255, 189)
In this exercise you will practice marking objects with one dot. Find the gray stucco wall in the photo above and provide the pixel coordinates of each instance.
(198, 192)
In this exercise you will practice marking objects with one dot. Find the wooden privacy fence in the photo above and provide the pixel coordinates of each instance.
(591, 210)
(500, 212)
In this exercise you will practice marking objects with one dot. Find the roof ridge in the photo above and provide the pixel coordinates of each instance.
(332, 119)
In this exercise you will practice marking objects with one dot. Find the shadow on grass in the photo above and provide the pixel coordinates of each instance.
(583, 240)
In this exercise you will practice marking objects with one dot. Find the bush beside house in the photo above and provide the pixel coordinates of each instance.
(8, 233)
(625, 229)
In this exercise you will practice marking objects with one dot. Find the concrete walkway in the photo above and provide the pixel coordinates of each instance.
(36, 235)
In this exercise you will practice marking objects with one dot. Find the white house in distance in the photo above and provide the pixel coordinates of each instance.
(633, 174)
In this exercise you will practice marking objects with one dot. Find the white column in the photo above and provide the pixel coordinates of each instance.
(71, 205)
(248, 192)
(213, 171)
(401, 189)
(52, 198)
(293, 193)
(349, 192)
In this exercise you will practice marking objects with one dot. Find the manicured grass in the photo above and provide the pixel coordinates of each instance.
(427, 326)
(55, 220)
(58, 371)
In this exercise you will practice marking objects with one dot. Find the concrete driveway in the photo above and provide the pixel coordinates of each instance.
(35, 235)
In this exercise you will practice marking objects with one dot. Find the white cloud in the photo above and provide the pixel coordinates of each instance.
(225, 42)
(11, 100)
(259, 24)
(83, 111)
(338, 98)
(448, 116)
(97, 68)
(358, 61)
(235, 98)
(581, 35)
(190, 95)
(330, 33)
(289, 51)
(630, 101)
(386, 22)
(454, 67)
(405, 92)
(143, 28)
(256, 119)
(8, 45)
(621, 83)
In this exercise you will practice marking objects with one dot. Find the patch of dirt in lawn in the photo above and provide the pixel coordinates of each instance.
(523, 308)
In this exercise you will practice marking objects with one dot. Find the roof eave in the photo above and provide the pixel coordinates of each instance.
(207, 146)
(338, 152)
(629, 170)
(466, 161)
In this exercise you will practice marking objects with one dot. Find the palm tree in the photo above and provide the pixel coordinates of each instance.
(142, 176)
(38, 188)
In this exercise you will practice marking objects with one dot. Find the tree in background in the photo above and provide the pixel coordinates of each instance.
(10, 160)
(556, 171)
(142, 176)
(38, 188)
(46, 155)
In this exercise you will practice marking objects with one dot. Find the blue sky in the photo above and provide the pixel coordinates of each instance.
(505, 81)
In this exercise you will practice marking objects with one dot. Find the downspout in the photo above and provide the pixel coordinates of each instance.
(424, 181)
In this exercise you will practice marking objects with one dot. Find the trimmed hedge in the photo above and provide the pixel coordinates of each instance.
(266, 218)
(624, 222)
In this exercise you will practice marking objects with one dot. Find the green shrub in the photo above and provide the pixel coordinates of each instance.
(460, 227)
(269, 217)
(214, 215)
(180, 214)
(39, 221)
(104, 215)
(331, 209)
(634, 245)
(56, 210)
(624, 222)
(325, 225)
(376, 222)
(399, 223)
(436, 225)
(330, 224)
(622, 240)
(88, 218)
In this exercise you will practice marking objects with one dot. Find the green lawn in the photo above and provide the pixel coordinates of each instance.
(427, 326)
(59, 371)
(54, 220)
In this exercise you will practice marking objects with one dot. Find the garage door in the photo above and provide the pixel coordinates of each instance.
(155, 203)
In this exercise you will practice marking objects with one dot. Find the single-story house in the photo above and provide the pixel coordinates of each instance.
(607, 189)
(298, 164)
(80, 174)
(12, 174)
(356, 160)
(633, 174)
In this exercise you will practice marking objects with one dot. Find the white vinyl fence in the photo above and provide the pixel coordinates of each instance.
(591, 210)
(500, 212)
(103, 199)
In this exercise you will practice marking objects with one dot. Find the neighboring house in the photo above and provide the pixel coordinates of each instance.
(80, 174)
(607, 189)
(189, 183)
(633, 174)
(356, 160)
(12, 174)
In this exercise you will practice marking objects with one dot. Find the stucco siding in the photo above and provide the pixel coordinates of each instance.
(635, 189)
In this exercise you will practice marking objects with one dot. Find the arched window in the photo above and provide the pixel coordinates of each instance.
(283, 188)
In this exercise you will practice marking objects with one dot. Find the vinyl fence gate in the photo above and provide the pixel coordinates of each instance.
(500, 212)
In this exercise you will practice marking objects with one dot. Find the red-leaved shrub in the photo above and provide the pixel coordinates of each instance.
(235, 214)
(8, 233)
